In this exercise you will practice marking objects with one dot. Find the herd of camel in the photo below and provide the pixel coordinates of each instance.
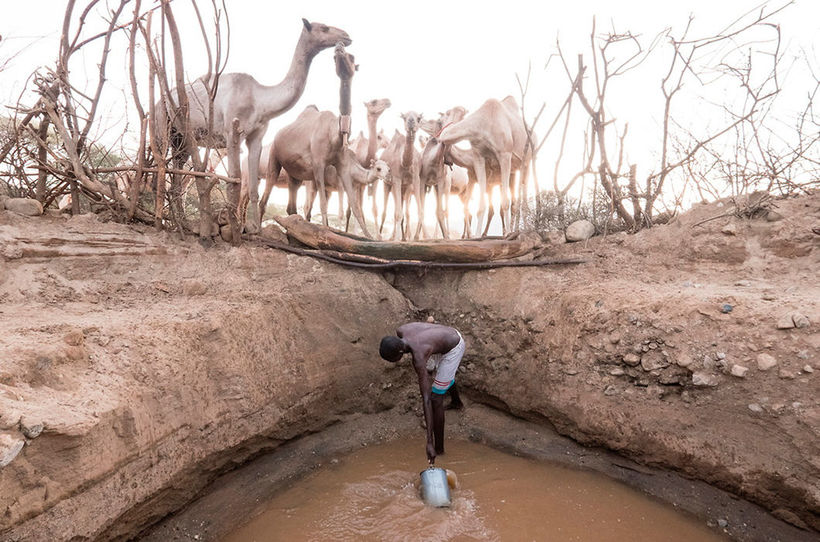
(313, 149)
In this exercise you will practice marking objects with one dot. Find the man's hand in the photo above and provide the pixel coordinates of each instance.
(431, 454)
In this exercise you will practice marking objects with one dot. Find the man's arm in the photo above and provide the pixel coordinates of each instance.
(420, 365)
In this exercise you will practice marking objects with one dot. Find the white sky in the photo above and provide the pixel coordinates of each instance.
(424, 55)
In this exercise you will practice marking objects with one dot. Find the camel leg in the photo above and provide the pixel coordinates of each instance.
(384, 207)
(481, 177)
(440, 214)
(371, 191)
(253, 142)
(398, 226)
(319, 180)
(405, 224)
(505, 161)
(271, 176)
(293, 191)
(310, 198)
(354, 201)
(420, 193)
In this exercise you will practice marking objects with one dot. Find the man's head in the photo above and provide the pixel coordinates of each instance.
(392, 348)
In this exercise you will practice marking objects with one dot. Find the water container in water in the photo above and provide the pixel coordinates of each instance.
(435, 491)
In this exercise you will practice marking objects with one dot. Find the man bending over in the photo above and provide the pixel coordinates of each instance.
(434, 348)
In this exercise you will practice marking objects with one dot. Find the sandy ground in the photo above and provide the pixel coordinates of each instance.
(136, 368)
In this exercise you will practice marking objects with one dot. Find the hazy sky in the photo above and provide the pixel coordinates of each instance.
(424, 55)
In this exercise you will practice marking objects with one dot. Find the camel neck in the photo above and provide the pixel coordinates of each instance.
(372, 142)
(407, 155)
(281, 97)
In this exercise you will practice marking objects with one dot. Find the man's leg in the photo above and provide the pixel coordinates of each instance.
(455, 400)
(437, 402)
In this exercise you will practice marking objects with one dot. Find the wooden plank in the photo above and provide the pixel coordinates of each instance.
(483, 250)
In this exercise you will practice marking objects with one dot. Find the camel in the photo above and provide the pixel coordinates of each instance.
(404, 162)
(311, 149)
(497, 133)
(366, 149)
(240, 97)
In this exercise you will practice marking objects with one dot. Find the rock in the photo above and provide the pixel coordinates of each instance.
(765, 361)
(225, 233)
(729, 229)
(726, 308)
(792, 320)
(611, 390)
(10, 446)
(808, 369)
(653, 360)
(31, 429)
(743, 283)
(722, 523)
(632, 359)
(684, 361)
(24, 206)
(739, 371)
(701, 379)
(786, 374)
(580, 230)
(74, 337)
(554, 238)
(194, 287)
(273, 232)
(754, 407)
(616, 371)
(773, 216)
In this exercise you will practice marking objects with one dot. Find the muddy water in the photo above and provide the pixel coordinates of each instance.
(373, 495)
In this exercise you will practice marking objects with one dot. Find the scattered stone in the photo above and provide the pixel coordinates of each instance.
(726, 308)
(720, 355)
(786, 374)
(225, 233)
(632, 359)
(773, 216)
(743, 283)
(653, 360)
(792, 320)
(617, 371)
(729, 229)
(580, 230)
(29, 429)
(555, 238)
(194, 287)
(700, 378)
(611, 390)
(765, 361)
(808, 369)
(722, 523)
(684, 361)
(75, 337)
(571, 372)
(739, 371)
(754, 407)
(803, 354)
(24, 206)
(10, 446)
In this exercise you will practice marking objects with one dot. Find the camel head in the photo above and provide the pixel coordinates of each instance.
(456, 114)
(430, 126)
(377, 106)
(411, 121)
(321, 36)
(378, 170)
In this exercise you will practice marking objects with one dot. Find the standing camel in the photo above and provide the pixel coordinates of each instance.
(311, 149)
(365, 149)
(497, 133)
(404, 162)
(240, 97)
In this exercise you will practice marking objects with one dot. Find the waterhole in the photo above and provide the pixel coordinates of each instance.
(372, 494)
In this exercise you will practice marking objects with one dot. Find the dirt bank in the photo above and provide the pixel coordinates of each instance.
(137, 368)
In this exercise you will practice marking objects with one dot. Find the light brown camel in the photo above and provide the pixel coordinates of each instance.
(496, 132)
(240, 96)
(311, 149)
(404, 181)
(366, 149)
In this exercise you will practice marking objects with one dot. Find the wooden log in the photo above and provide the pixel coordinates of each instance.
(320, 237)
